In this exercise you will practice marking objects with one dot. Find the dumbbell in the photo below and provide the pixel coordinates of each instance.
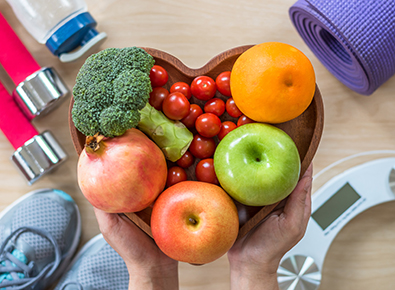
(38, 91)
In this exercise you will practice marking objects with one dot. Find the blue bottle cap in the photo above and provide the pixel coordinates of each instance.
(74, 33)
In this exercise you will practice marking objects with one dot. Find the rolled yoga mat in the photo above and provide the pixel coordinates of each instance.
(354, 39)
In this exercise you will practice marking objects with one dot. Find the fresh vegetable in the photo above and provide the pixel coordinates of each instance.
(174, 138)
(215, 106)
(205, 172)
(186, 160)
(244, 120)
(232, 109)
(176, 106)
(111, 96)
(194, 112)
(208, 125)
(223, 83)
(202, 147)
(158, 76)
(157, 96)
(175, 175)
(183, 88)
(203, 88)
(125, 174)
(226, 127)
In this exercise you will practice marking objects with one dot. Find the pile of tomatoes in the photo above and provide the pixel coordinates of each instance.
(210, 121)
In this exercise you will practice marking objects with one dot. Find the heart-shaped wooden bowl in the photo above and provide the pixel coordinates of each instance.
(305, 130)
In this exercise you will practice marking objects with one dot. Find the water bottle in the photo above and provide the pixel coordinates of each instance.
(65, 26)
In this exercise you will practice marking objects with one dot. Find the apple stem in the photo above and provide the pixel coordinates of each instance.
(192, 221)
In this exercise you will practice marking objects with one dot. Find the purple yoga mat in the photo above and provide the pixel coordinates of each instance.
(354, 39)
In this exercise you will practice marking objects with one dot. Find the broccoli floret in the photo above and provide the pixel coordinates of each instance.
(132, 89)
(111, 96)
(111, 87)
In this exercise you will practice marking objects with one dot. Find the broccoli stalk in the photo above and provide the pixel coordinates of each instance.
(173, 136)
(111, 96)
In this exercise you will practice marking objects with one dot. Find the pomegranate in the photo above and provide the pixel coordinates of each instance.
(121, 174)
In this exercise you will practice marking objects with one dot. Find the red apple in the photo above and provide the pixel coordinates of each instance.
(194, 222)
(126, 174)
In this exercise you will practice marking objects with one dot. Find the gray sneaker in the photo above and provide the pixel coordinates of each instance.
(39, 234)
(96, 266)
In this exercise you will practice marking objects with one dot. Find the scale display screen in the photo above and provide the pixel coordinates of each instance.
(335, 206)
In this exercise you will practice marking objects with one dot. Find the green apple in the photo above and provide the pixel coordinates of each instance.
(257, 164)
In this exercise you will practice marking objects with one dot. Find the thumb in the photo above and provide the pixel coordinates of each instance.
(299, 201)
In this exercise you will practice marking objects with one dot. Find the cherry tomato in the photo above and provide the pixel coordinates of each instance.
(203, 88)
(204, 171)
(223, 83)
(194, 112)
(232, 109)
(183, 88)
(215, 106)
(244, 120)
(175, 174)
(158, 76)
(202, 147)
(157, 96)
(226, 127)
(186, 160)
(176, 106)
(208, 125)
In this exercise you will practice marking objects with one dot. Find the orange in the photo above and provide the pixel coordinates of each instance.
(272, 82)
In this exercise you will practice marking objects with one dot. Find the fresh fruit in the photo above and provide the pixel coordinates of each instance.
(223, 83)
(175, 175)
(194, 112)
(202, 147)
(208, 125)
(226, 127)
(124, 174)
(257, 164)
(194, 222)
(215, 106)
(157, 96)
(176, 106)
(183, 88)
(203, 88)
(158, 76)
(272, 82)
(232, 109)
(204, 171)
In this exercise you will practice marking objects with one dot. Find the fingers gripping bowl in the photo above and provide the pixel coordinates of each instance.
(305, 130)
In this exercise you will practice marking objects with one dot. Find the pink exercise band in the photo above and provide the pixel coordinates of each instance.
(14, 124)
(14, 57)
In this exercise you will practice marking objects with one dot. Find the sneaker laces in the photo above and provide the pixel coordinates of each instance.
(19, 272)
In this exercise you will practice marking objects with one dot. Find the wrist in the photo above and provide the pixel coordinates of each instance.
(248, 280)
(251, 276)
(153, 278)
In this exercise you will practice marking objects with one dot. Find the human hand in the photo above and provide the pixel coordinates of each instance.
(148, 266)
(254, 259)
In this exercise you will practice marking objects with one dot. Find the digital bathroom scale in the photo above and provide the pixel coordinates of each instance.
(334, 204)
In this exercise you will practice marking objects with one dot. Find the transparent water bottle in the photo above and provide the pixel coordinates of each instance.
(65, 26)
